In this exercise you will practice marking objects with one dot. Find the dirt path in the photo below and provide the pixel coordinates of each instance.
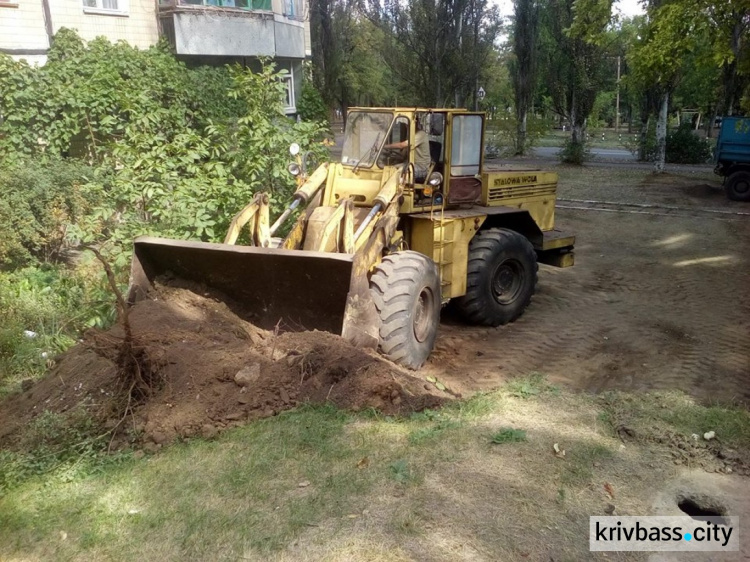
(655, 301)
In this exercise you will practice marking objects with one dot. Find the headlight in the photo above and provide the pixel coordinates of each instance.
(294, 149)
(293, 168)
(435, 179)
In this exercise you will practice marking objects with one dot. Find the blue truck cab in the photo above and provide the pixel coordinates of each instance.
(732, 157)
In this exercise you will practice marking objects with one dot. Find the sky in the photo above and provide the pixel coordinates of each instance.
(628, 8)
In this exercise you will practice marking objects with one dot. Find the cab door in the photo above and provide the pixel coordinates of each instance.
(464, 157)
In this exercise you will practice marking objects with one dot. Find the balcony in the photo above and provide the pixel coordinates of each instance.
(235, 28)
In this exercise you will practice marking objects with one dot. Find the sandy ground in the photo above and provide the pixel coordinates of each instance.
(658, 298)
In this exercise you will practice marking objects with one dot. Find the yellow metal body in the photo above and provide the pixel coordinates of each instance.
(531, 190)
(445, 236)
(437, 227)
(353, 213)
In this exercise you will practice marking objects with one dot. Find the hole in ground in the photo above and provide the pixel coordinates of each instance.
(701, 507)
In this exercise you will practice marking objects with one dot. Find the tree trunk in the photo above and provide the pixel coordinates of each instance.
(577, 136)
(661, 134)
(645, 122)
(521, 137)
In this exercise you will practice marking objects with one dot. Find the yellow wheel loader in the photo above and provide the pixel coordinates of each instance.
(380, 244)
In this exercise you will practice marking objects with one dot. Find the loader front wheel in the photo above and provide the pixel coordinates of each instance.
(501, 278)
(405, 287)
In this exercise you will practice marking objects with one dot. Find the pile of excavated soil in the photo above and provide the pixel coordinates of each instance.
(215, 370)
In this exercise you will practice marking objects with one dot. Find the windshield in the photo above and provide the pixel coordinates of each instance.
(365, 133)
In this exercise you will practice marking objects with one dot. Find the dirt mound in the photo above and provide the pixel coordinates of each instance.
(216, 371)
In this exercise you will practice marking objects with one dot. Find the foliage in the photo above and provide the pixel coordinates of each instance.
(574, 152)
(573, 48)
(686, 147)
(603, 112)
(348, 67)
(524, 65)
(66, 445)
(310, 104)
(503, 134)
(38, 201)
(190, 184)
(86, 96)
(168, 150)
(42, 309)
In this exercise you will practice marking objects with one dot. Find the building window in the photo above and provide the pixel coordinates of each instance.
(294, 9)
(105, 6)
(288, 96)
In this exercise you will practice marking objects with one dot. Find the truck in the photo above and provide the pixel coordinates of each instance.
(376, 245)
(732, 157)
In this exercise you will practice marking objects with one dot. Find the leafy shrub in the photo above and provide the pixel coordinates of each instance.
(686, 147)
(189, 185)
(42, 310)
(502, 134)
(86, 95)
(310, 104)
(38, 201)
(574, 152)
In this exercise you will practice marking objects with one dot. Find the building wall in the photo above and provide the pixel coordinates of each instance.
(136, 23)
(23, 34)
(22, 29)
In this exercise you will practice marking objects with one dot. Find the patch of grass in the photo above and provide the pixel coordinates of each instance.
(577, 469)
(646, 414)
(529, 386)
(321, 484)
(409, 523)
(479, 405)
(509, 435)
(400, 471)
(433, 431)
(60, 447)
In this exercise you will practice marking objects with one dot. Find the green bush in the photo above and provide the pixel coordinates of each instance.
(574, 152)
(38, 200)
(502, 135)
(310, 104)
(684, 146)
(643, 144)
(42, 311)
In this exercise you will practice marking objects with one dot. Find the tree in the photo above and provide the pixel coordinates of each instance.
(524, 66)
(728, 23)
(346, 47)
(437, 50)
(658, 58)
(574, 48)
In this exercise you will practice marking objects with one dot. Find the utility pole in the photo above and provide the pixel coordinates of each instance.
(617, 103)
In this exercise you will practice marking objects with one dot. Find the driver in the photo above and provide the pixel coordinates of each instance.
(421, 152)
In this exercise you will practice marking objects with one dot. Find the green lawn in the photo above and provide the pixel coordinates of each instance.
(480, 479)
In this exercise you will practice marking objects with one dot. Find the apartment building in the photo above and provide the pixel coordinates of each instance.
(200, 31)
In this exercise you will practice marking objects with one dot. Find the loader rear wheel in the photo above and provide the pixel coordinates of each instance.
(501, 278)
(738, 186)
(405, 287)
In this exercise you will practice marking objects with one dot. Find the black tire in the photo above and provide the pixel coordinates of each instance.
(738, 186)
(405, 287)
(501, 278)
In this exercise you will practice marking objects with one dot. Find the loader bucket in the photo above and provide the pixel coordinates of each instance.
(293, 289)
